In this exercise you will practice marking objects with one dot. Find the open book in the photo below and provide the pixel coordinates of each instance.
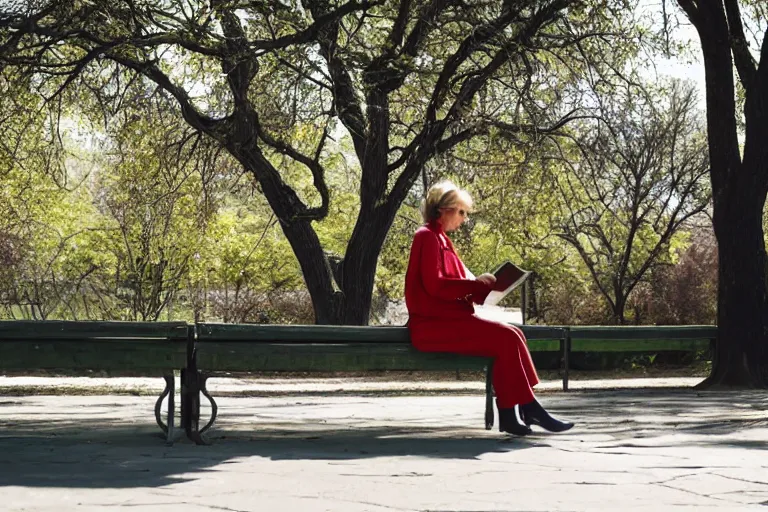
(508, 277)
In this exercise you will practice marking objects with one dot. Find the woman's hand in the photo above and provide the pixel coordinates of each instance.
(488, 279)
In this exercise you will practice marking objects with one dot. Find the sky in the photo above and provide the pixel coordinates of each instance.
(689, 67)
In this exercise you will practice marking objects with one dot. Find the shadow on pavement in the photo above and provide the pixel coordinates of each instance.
(94, 455)
(704, 418)
(86, 452)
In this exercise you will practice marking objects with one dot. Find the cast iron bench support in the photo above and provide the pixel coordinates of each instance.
(231, 348)
(170, 392)
(148, 349)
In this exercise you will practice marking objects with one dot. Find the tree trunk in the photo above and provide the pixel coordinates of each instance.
(741, 358)
(739, 191)
(360, 262)
(340, 296)
(618, 313)
(343, 298)
(315, 267)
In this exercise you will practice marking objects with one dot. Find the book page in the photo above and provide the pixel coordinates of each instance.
(508, 277)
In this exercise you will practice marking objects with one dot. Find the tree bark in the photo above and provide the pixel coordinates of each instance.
(742, 316)
(739, 185)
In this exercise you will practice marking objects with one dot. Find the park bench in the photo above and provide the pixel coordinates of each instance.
(222, 348)
(205, 349)
(146, 349)
(636, 338)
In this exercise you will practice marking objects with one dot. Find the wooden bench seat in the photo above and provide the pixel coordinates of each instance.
(207, 349)
(147, 349)
(229, 348)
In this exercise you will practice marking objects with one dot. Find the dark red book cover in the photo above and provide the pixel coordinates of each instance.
(508, 277)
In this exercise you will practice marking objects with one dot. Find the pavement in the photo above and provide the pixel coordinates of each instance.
(347, 445)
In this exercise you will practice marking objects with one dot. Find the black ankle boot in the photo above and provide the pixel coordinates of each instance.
(508, 423)
(534, 414)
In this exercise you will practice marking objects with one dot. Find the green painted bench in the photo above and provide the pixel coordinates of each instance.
(642, 338)
(147, 349)
(228, 348)
(222, 348)
(204, 350)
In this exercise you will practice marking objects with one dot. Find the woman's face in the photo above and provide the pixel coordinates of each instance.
(452, 217)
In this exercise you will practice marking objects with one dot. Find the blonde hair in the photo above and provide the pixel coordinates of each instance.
(443, 194)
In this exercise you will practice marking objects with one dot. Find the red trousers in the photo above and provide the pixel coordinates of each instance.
(513, 372)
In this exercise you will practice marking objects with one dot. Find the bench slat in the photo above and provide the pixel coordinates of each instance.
(626, 333)
(333, 333)
(232, 356)
(139, 355)
(638, 345)
(239, 356)
(76, 330)
(301, 333)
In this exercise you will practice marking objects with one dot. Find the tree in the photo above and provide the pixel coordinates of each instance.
(405, 79)
(734, 34)
(241, 268)
(684, 293)
(639, 177)
(150, 193)
(42, 222)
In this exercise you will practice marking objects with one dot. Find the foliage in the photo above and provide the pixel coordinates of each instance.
(222, 152)
(684, 293)
(241, 264)
(638, 177)
(409, 82)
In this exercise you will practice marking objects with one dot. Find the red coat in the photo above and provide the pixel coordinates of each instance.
(439, 297)
(436, 283)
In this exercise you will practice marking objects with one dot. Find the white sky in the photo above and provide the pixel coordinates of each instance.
(688, 67)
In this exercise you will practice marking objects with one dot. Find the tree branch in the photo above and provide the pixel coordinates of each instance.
(348, 108)
(311, 33)
(189, 112)
(398, 28)
(482, 35)
(745, 63)
(692, 11)
(313, 164)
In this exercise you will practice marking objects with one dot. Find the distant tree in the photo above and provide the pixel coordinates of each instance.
(683, 293)
(42, 213)
(150, 191)
(640, 175)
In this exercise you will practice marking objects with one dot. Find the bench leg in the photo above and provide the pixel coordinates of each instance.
(214, 407)
(170, 392)
(171, 382)
(565, 348)
(190, 404)
(489, 396)
(194, 384)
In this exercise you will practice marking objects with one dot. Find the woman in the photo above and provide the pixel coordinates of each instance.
(439, 293)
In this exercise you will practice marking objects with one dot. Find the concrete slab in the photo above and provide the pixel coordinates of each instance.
(649, 449)
(265, 386)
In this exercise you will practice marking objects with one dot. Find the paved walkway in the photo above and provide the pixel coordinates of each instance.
(633, 449)
(268, 386)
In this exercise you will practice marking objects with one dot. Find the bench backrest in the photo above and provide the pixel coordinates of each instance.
(155, 347)
(641, 338)
(228, 347)
(148, 348)
(335, 333)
